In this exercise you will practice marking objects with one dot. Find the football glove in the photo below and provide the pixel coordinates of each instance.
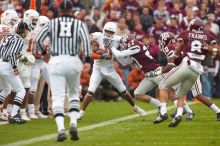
(154, 73)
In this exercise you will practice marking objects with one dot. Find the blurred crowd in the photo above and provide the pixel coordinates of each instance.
(148, 19)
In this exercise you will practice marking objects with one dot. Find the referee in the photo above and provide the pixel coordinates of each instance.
(10, 51)
(66, 35)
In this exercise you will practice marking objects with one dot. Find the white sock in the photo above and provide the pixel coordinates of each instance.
(31, 109)
(187, 108)
(5, 111)
(15, 109)
(9, 108)
(22, 111)
(73, 117)
(175, 103)
(60, 122)
(155, 102)
(179, 111)
(163, 108)
(215, 108)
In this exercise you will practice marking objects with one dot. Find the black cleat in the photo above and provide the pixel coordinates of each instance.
(189, 116)
(175, 121)
(218, 116)
(161, 118)
(61, 136)
(73, 132)
(16, 119)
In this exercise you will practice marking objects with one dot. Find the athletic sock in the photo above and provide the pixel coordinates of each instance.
(163, 108)
(73, 117)
(155, 102)
(15, 109)
(60, 122)
(215, 108)
(187, 108)
(9, 108)
(179, 111)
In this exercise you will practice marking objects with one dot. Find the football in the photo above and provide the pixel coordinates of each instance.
(101, 51)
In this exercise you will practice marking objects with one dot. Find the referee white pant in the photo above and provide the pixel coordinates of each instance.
(7, 80)
(64, 77)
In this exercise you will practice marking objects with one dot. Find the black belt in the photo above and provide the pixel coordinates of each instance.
(54, 54)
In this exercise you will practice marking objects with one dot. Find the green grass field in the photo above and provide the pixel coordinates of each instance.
(203, 130)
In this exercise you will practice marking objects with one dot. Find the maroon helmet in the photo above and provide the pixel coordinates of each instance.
(196, 24)
(126, 39)
(165, 39)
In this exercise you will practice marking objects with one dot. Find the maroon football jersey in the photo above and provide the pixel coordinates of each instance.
(169, 49)
(193, 44)
(143, 58)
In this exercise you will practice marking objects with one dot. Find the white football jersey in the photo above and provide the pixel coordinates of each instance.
(5, 30)
(100, 39)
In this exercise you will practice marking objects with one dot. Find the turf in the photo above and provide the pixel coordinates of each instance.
(203, 130)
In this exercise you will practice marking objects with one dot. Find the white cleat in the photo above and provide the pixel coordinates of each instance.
(41, 116)
(24, 117)
(81, 115)
(33, 116)
(139, 110)
(3, 117)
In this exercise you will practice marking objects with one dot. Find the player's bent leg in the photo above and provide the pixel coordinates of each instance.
(17, 85)
(127, 96)
(163, 97)
(209, 104)
(178, 117)
(145, 86)
(87, 99)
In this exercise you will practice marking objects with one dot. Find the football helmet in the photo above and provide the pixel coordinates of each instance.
(109, 29)
(165, 39)
(196, 24)
(43, 20)
(9, 18)
(125, 39)
(31, 18)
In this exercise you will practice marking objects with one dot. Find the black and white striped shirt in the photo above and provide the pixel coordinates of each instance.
(66, 35)
(11, 48)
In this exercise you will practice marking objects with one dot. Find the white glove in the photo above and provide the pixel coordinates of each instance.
(154, 73)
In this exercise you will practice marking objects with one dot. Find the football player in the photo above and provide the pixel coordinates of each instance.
(134, 51)
(167, 46)
(39, 68)
(103, 68)
(31, 18)
(192, 43)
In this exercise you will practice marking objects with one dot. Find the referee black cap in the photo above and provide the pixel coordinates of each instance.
(66, 4)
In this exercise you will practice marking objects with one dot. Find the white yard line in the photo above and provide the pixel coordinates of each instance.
(90, 127)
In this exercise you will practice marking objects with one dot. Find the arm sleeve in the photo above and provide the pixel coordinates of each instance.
(130, 51)
(124, 60)
(15, 51)
(41, 37)
(84, 35)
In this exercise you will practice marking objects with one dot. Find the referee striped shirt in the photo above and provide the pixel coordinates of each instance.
(11, 48)
(66, 35)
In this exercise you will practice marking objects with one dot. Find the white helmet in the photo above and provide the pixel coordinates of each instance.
(109, 29)
(9, 18)
(31, 18)
(43, 20)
